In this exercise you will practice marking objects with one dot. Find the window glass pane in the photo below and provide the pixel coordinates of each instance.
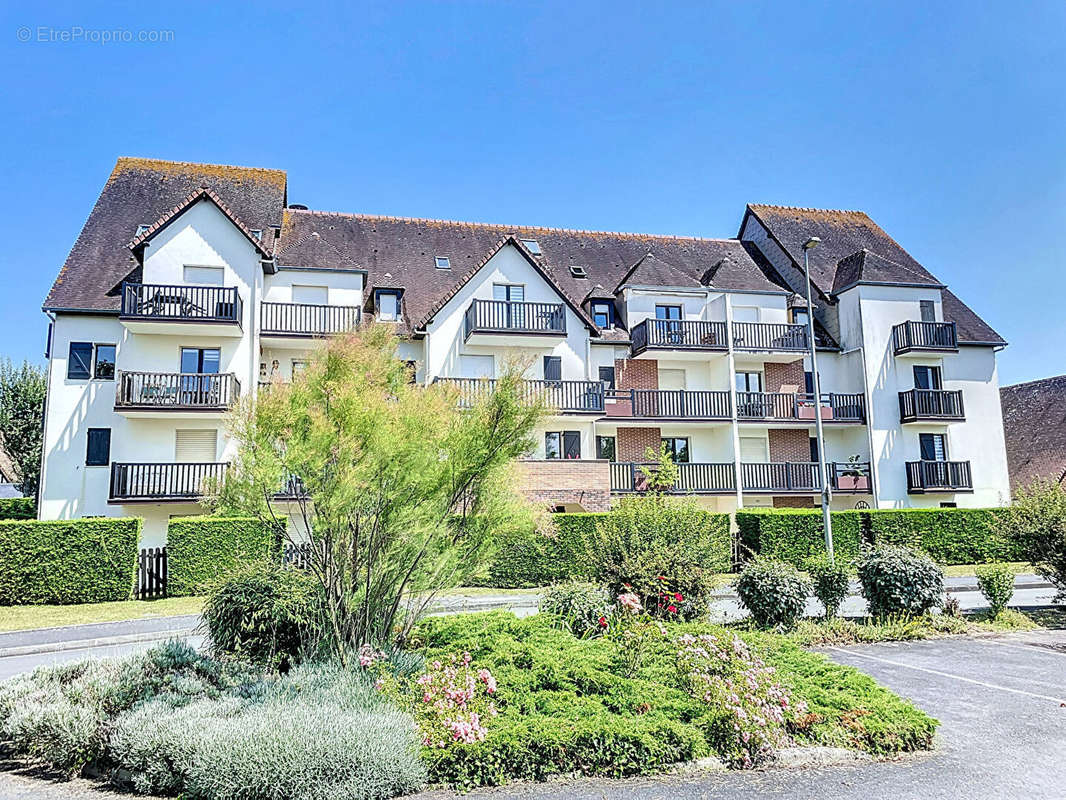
(190, 360)
(105, 362)
(605, 447)
(209, 361)
(601, 315)
(552, 445)
(668, 312)
(388, 306)
(571, 444)
(928, 310)
(933, 446)
(81, 356)
(98, 447)
(553, 368)
(607, 377)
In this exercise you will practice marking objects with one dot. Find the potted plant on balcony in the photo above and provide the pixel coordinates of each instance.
(805, 408)
(853, 475)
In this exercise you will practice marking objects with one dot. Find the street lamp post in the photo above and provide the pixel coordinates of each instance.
(827, 524)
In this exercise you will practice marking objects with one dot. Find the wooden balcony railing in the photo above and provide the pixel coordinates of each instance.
(917, 405)
(769, 336)
(501, 316)
(930, 336)
(306, 319)
(678, 334)
(181, 303)
(799, 406)
(781, 476)
(851, 476)
(695, 478)
(678, 403)
(176, 391)
(174, 481)
(938, 476)
(566, 396)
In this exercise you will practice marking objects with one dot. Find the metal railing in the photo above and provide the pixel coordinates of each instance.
(929, 476)
(931, 404)
(769, 336)
(924, 336)
(696, 478)
(173, 481)
(799, 406)
(502, 316)
(172, 390)
(293, 489)
(679, 334)
(850, 476)
(781, 476)
(181, 303)
(306, 319)
(567, 396)
(677, 403)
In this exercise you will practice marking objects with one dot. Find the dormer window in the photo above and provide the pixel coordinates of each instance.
(603, 314)
(387, 302)
(141, 231)
(257, 234)
(443, 262)
(578, 271)
(532, 245)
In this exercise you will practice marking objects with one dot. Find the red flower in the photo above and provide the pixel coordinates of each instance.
(672, 609)
(662, 578)
(603, 622)
(678, 597)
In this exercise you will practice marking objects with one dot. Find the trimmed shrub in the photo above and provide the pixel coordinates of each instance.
(18, 508)
(830, 582)
(201, 551)
(773, 592)
(795, 535)
(266, 614)
(533, 558)
(577, 607)
(949, 535)
(651, 542)
(68, 561)
(996, 582)
(898, 580)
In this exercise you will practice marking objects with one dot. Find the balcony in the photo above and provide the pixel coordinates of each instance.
(683, 335)
(781, 477)
(147, 394)
(523, 324)
(931, 405)
(852, 477)
(627, 477)
(668, 404)
(286, 324)
(569, 397)
(799, 407)
(159, 483)
(938, 476)
(293, 489)
(184, 310)
(917, 338)
(769, 337)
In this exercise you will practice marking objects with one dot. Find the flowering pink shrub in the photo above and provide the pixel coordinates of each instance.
(454, 702)
(721, 670)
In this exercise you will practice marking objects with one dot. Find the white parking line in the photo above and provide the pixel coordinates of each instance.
(1058, 700)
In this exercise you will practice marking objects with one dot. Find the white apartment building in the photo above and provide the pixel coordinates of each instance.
(191, 285)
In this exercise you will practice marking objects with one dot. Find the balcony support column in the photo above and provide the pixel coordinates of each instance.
(734, 428)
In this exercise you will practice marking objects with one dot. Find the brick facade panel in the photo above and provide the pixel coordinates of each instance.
(632, 443)
(777, 375)
(793, 502)
(636, 373)
(555, 482)
(790, 444)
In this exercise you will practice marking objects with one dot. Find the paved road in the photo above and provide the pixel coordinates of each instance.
(1000, 702)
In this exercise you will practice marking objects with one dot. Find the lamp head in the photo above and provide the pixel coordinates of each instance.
(811, 243)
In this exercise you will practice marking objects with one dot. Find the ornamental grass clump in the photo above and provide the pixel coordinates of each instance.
(996, 582)
(830, 583)
(720, 670)
(898, 580)
(773, 592)
(581, 608)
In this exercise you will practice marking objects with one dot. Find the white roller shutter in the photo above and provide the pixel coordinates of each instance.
(312, 295)
(754, 450)
(193, 446)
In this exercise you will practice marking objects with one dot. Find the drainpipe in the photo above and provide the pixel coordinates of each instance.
(875, 475)
(47, 402)
(735, 429)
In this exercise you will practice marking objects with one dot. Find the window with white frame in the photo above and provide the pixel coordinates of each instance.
(388, 305)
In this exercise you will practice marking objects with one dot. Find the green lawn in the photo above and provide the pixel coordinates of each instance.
(961, 570)
(19, 618)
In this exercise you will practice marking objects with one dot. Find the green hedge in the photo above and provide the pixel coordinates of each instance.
(18, 508)
(200, 550)
(68, 561)
(949, 535)
(795, 534)
(534, 559)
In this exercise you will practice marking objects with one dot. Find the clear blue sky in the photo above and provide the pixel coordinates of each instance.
(943, 121)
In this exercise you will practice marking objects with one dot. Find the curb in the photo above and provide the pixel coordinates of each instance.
(84, 644)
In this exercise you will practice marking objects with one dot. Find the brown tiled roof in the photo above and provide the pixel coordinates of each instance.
(853, 248)
(406, 248)
(1034, 424)
(200, 194)
(138, 192)
(652, 271)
